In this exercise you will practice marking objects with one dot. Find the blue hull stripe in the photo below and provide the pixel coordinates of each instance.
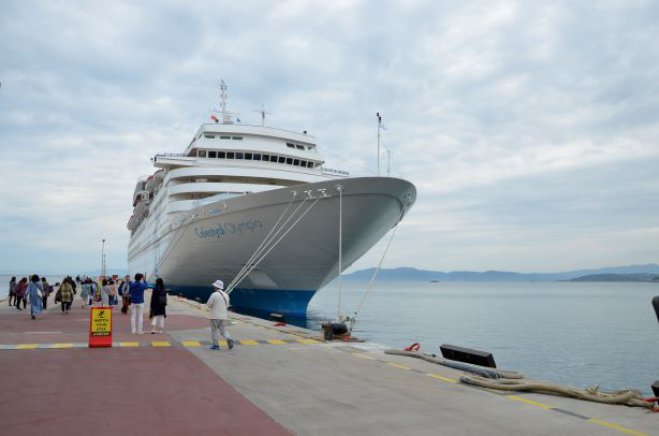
(260, 302)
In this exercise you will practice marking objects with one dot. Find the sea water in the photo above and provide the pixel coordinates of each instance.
(580, 334)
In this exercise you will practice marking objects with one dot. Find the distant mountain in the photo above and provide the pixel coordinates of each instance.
(413, 274)
(617, 278)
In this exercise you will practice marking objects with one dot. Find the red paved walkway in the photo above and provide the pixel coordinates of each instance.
(114, 391)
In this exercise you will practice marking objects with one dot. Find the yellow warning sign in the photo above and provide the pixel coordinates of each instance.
(101, 321)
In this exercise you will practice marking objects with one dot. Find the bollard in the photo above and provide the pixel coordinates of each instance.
(328, 334)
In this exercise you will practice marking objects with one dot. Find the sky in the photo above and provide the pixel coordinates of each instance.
(530, 128)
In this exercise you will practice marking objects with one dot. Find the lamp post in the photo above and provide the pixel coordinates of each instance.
(103, 258)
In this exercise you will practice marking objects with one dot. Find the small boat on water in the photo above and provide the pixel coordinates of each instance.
(256, 207)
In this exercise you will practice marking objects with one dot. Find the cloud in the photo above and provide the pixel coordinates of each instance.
(529, 129)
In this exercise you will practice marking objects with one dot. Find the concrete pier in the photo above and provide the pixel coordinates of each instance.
(277, 380)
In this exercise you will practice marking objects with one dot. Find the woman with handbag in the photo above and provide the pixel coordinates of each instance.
(157, 306)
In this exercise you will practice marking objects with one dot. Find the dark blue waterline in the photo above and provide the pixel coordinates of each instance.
(292, 304)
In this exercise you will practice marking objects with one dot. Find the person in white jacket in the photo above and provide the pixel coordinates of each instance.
(217, 304)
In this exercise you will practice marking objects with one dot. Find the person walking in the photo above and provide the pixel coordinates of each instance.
(92, 291)
(125, 295)
(112, 292)
(157, 306)
(46, 292)
(217, 304)
(20, 290)
(35, 294)
(66, 294)
(12, 291)
(136, 290)
(85, 292)
(105, 293)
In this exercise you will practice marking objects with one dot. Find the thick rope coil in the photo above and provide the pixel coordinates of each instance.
(627, 397)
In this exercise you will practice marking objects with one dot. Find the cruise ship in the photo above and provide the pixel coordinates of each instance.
(256, 207)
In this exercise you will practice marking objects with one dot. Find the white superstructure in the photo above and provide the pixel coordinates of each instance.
(205, 212)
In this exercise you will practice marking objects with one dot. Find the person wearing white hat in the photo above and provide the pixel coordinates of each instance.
(217, 304)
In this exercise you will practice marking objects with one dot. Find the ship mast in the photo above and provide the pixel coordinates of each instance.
(379, 127)
(226, 117)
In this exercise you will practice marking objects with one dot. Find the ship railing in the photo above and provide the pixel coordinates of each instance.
(333, 171)
(166, 155)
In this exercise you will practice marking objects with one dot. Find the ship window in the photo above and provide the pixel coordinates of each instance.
(225, 137)
(209, 136)
(230, 154)
(239, 155)
(309, 164)
(237, 138)
(273, 158)
(221, 154)
(212, 154)
(257, 156)
(289, 160)
(281, 159)
(289, 145)
(248, 156)
(299, 147)
(296, 162)
(202, 153)
(266, 157)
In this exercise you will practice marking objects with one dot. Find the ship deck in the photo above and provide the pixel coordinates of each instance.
(277, 380)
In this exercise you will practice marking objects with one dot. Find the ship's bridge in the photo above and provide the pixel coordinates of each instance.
(230, 160)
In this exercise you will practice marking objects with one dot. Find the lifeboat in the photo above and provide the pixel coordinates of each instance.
(139, 197)
(140, 210)
(132, 223)
(151, 184)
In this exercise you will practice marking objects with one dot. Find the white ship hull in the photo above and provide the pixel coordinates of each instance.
(216, 240)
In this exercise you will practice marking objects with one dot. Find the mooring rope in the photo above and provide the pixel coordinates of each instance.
(369, 286)
(236, 281)
(626, 397)
(339, 315)
(490, 373)
(506, 380)
(266, 240)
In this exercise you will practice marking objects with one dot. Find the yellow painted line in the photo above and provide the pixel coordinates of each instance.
(69, 345)
(527, 401)
(191, 343)
(442, 378)
(307, 341)
(364, 356)
(248, 342)
(276, 342)
(397, 365)
(27, 346)
(617, 427)
(129, 344)
(160, 344)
